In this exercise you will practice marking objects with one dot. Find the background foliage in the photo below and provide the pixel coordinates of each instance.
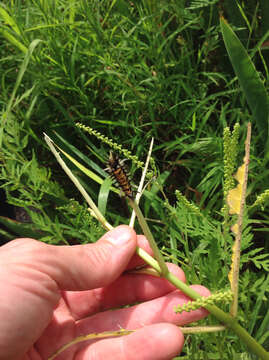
(133, 70)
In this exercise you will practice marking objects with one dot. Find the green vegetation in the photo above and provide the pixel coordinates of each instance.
(132, 71)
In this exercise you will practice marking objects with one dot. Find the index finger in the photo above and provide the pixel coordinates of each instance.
(127, 289)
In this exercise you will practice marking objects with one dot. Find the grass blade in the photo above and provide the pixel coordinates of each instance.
(8, 20)
(249, 80)
(23, 68)
(13, 40)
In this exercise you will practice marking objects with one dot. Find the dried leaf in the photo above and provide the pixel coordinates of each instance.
(235, 195)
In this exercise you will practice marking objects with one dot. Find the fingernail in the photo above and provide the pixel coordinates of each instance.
(119, 236)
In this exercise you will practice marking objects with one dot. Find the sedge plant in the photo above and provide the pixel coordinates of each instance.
(158, 267)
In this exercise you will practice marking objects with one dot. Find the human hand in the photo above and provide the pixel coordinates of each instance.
(49, 295)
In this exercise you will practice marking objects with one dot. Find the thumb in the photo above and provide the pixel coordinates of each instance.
(84, 267)
(32, 273)
(79, 267)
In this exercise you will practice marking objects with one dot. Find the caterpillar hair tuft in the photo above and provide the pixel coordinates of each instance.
(118, 172)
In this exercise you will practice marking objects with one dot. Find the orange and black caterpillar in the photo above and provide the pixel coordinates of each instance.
(118, 172)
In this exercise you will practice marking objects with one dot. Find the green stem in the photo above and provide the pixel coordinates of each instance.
(149, 236)
(224, 318)
(81, 189)
(148, 259)
(161, 268)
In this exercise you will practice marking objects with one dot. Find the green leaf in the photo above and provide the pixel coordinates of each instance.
(8, 20)
(86, 171)
(249, 80)
(23, 68)
(6, 34)
(81, 156)
(21, 229)
(103, 195)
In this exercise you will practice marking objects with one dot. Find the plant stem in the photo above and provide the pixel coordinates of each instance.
(226, 319)
(81, 189)
(149, 236)
(223, 317)
(160, 266)
(141, 183)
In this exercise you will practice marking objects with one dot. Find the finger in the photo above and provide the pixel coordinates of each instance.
(127, 289)
(150, 312)
(155, 342)
(60, 330)
(91, 266)
(80, 267)
(34, 272)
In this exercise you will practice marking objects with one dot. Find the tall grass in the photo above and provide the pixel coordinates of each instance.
(133, 71)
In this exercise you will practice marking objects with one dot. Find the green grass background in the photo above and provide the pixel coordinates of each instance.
(133, 71)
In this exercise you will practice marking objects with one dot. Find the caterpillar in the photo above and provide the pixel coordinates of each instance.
(118, 172)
